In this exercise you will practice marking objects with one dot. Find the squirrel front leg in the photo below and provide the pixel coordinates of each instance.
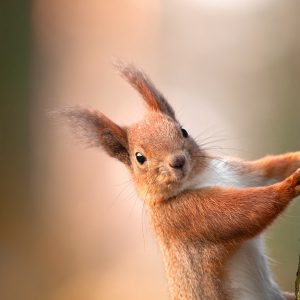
(219, 214)
(277, 167)
(264, 171)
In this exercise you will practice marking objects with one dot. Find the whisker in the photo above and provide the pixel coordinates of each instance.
(118, 196)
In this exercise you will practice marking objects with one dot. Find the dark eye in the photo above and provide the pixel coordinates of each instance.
(140, 157)
(184, 133)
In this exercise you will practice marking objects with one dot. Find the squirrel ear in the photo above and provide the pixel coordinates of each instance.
(96, 130)
(142, 83)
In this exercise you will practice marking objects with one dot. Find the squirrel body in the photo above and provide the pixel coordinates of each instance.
(249, 276)
(208, 213)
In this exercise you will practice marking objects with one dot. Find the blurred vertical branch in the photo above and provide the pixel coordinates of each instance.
(298, 282)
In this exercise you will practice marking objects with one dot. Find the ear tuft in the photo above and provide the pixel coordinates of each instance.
(142, 83)
(94, 129)
(83, 123)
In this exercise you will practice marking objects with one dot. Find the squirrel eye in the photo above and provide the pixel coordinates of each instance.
(140, 157)
(184, 133)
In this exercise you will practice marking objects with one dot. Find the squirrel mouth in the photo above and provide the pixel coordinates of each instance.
(174, 178)
(179, 175)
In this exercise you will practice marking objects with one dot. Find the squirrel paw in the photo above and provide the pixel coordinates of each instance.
(294, 182)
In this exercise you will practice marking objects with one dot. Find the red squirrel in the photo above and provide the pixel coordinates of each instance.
(207, 212)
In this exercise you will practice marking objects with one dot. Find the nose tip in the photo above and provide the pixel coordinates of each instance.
(177, 162)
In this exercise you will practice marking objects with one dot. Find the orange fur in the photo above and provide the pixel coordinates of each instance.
(278, 167)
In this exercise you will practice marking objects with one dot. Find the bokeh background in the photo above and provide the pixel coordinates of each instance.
(71, 224)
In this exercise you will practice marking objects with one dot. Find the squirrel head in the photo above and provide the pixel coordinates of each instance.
(161, 155)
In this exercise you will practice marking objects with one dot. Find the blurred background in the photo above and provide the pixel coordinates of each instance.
(71, 224)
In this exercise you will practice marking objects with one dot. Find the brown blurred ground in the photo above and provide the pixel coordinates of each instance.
(231, 71)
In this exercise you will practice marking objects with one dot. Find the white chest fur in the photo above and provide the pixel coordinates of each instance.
(249, 274)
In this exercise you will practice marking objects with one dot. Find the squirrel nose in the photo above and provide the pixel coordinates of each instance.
(177, 162)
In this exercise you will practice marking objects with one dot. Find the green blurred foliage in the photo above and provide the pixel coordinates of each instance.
(15, 200)
(14, 95)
